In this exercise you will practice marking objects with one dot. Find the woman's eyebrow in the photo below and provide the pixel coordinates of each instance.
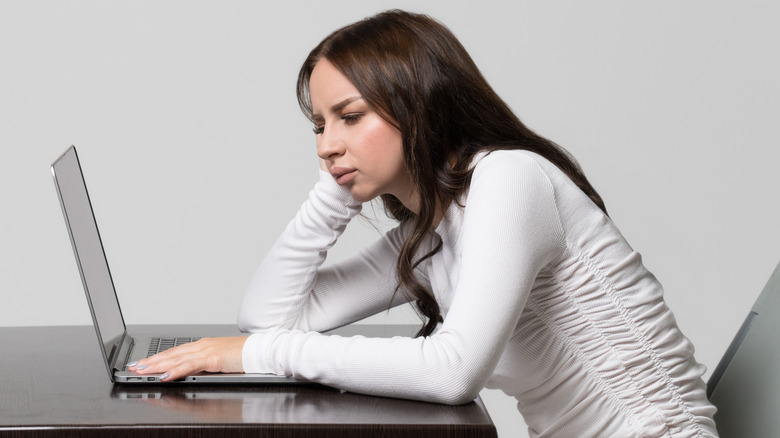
(337, 107)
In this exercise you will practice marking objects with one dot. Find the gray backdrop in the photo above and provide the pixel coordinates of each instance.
(197, 156)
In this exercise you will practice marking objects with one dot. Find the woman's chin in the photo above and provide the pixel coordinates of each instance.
(361, 196)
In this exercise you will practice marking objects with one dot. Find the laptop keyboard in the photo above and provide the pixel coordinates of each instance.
(161, 344)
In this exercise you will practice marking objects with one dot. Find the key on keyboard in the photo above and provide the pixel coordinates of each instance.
(161, 344)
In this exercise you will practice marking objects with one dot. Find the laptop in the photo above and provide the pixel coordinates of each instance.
(117, 345)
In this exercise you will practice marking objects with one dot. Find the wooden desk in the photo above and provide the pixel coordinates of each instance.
(53, 383)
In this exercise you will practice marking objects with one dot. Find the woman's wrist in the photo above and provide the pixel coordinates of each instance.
(340, 194)
(256, 354)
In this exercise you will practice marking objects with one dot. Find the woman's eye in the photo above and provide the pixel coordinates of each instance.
(319, 129)
(351, 118)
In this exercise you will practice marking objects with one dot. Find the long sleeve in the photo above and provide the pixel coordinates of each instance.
(510, 231)
(290, 289)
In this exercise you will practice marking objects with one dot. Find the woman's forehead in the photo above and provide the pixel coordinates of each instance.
(328, 87)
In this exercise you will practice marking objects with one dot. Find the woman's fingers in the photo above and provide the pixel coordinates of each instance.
(208, 354)
(178, 372)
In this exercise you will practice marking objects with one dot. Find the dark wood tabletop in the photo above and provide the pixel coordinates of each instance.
(53, 383)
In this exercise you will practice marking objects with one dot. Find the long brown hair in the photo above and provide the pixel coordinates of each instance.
(414, 72)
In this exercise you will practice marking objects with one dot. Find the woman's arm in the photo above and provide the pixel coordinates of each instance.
(510, 231)
(290, 290)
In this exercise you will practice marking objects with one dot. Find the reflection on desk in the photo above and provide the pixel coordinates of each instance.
(317, 404)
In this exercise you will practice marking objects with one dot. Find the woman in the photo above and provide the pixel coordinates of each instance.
(504, 247)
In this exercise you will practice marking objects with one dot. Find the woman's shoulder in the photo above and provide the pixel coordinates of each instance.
(504, 172)
(502, 164)
(506, 167)
(514, 156)
(510, 174)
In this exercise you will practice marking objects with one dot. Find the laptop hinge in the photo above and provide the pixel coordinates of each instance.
(125, 348)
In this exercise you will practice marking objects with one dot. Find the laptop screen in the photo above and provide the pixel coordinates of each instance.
(88, 249)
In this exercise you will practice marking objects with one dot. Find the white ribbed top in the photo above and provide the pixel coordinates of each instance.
(541, 297)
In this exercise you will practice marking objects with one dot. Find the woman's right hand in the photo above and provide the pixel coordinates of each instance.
(214, 355)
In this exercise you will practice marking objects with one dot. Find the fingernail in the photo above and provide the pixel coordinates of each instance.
(164, 376)
(140, 367)
(132, 364)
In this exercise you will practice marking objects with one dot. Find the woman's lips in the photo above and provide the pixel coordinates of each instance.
(342, 175)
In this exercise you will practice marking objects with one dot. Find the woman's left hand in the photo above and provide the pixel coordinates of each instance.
(214, 355)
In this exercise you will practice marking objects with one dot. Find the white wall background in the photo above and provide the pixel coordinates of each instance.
(196, 155)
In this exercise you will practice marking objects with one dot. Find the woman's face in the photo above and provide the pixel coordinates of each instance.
(358, 147)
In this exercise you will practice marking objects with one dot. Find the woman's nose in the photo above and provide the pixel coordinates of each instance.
(330, 145)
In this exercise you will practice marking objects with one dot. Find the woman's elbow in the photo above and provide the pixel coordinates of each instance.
(459, 398)
(461, 390)
(252, 322)
(244, 321)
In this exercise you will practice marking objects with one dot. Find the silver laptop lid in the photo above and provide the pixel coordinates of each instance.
(90, 257)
